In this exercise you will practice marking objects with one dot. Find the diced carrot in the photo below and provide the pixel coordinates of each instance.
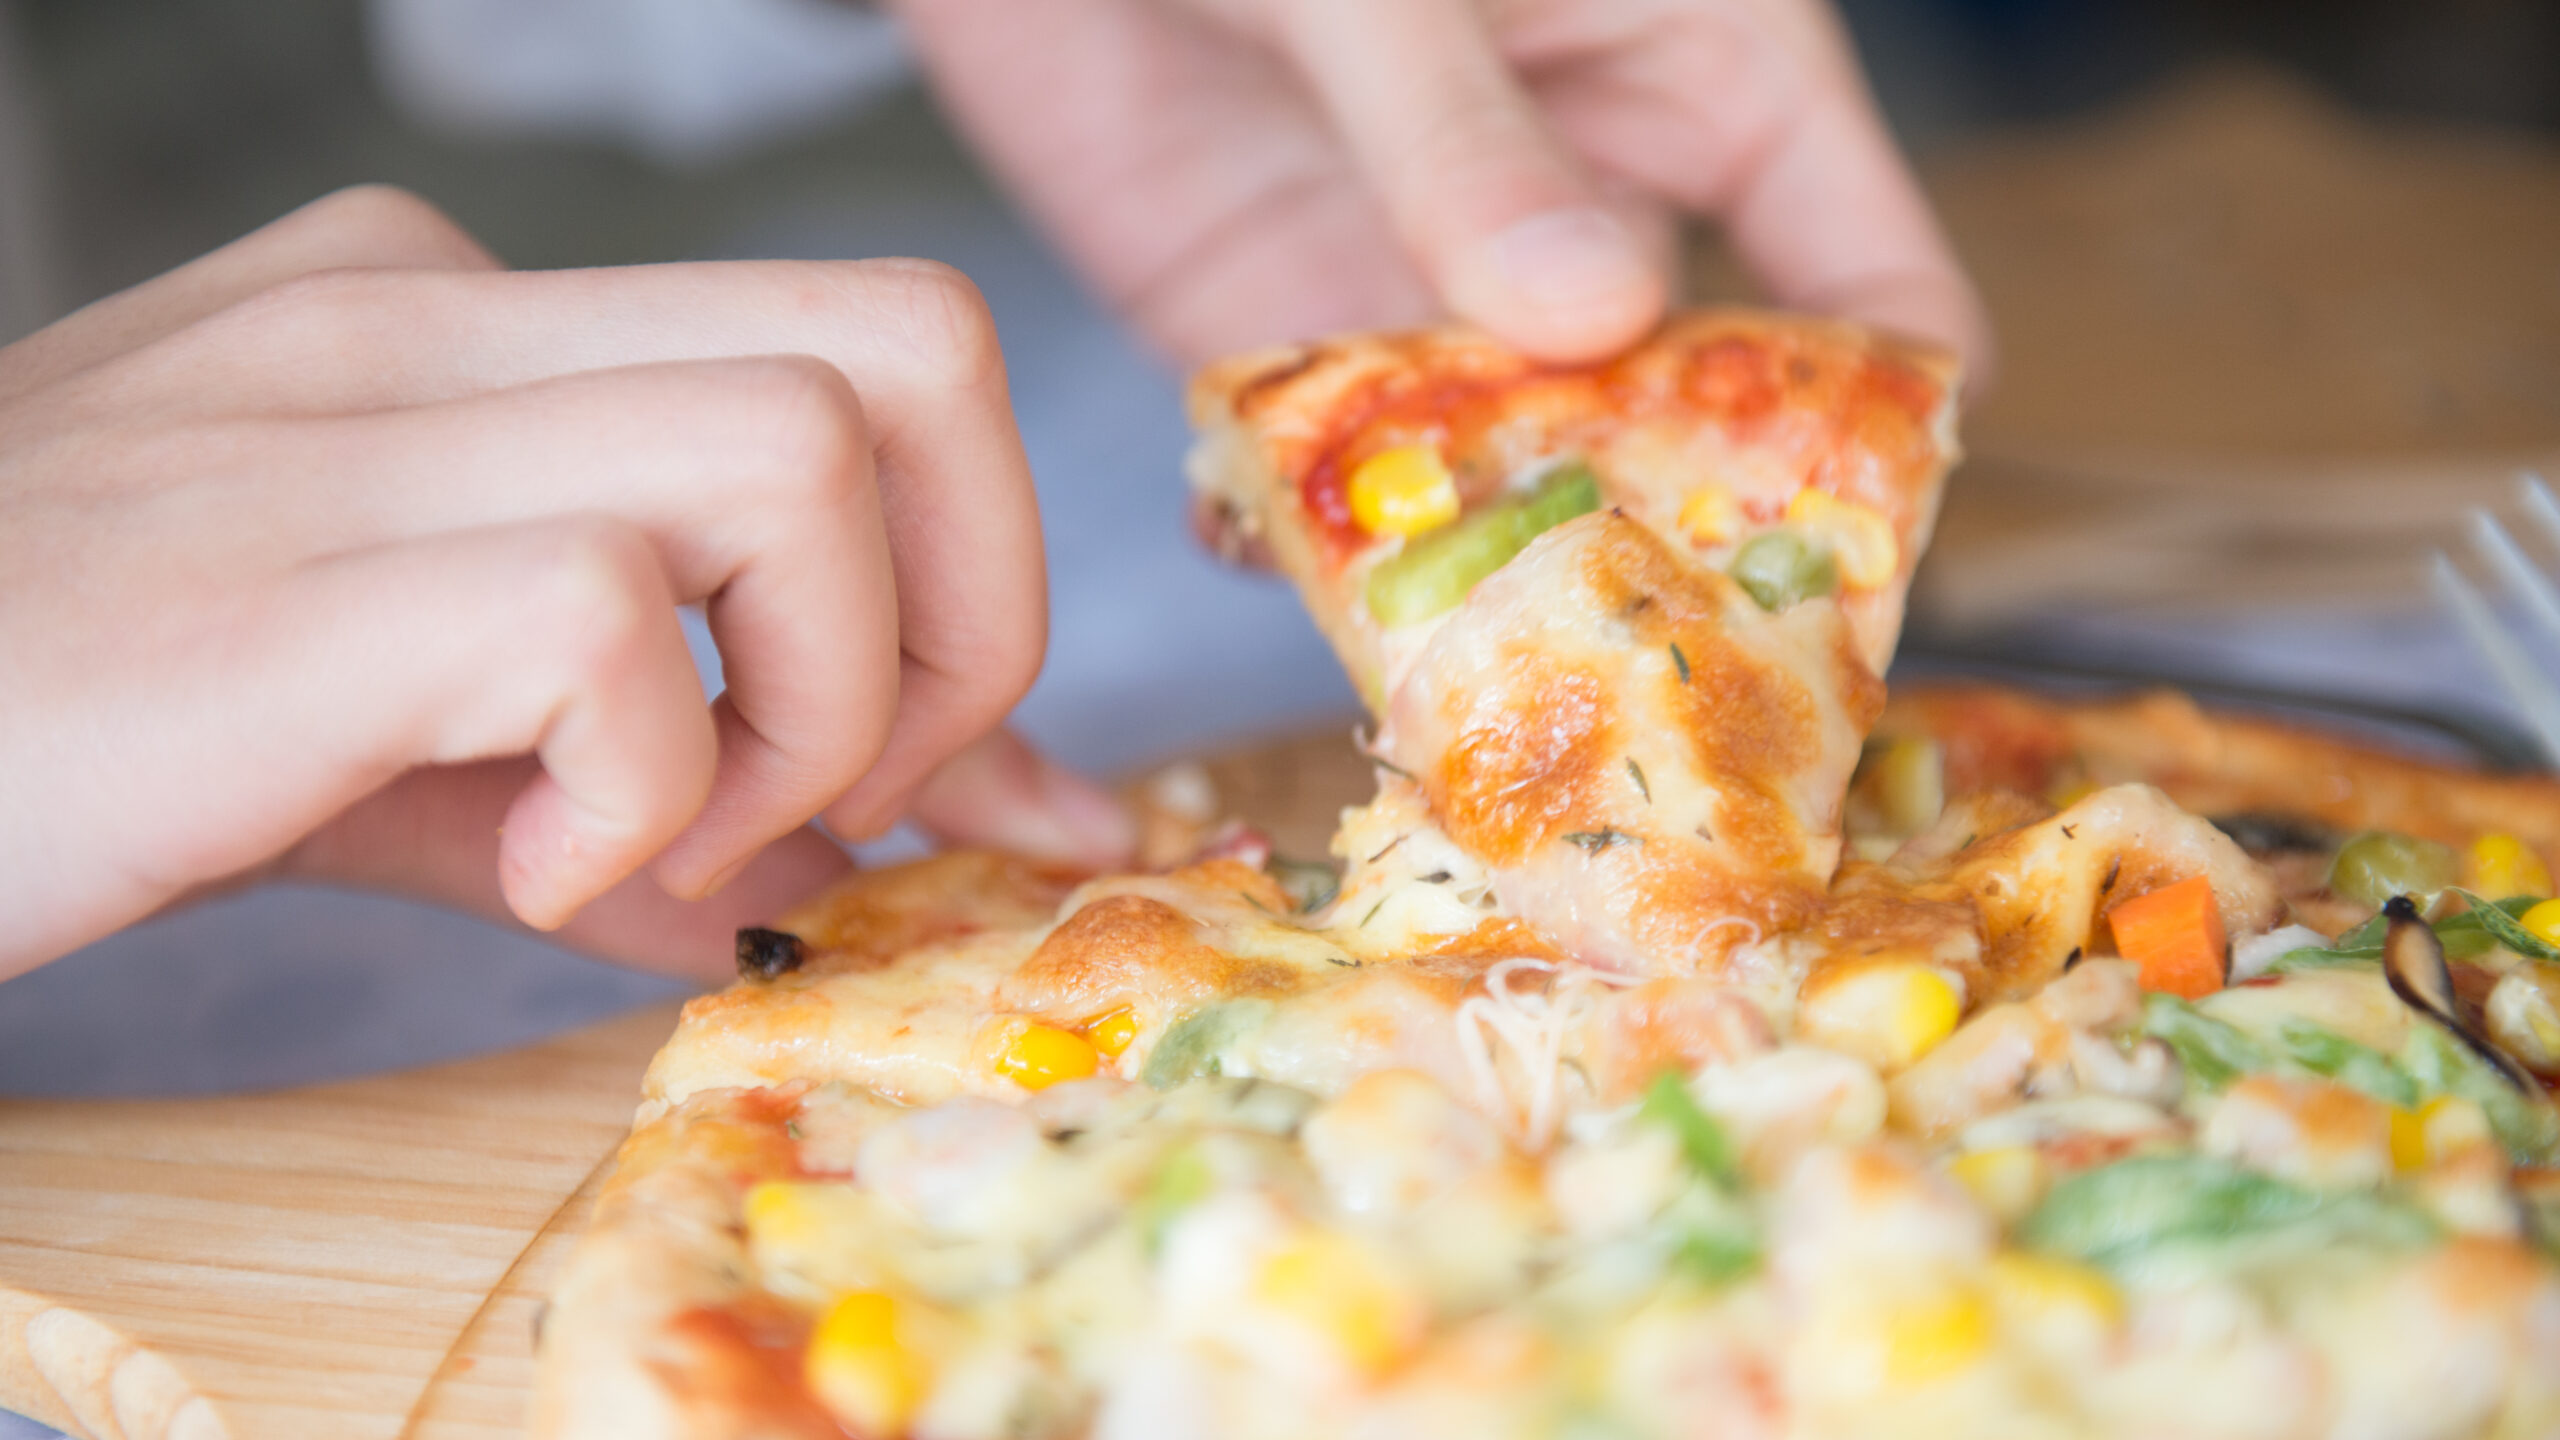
(2173, 935)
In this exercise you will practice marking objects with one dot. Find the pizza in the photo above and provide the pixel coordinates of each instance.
(1685, 1042)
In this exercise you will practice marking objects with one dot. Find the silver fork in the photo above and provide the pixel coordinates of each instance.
(2527, 678)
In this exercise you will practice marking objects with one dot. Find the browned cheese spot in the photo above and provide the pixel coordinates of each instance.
(1127, 949)
(1530, 759)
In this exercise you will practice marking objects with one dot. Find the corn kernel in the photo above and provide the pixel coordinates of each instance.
(1711, 516)
(2453, 1123)
(1327, 1283)
(1112, 1031)
(2543, 922)
(2006, 1180)
(2041, 1291)
(1887, 1015)
(1934, 1338)
(859, 1368)
(1040, 1056)
(2499, 865)
(2408, 1140)
(1861, 539)
(1404, 491)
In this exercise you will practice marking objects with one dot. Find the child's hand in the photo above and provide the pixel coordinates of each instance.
(345, 500)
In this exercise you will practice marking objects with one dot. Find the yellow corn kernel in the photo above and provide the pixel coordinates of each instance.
(2408, 1140)
(1861, 539)
(859, 1368)
(1112, 1031)
(1933, 1338)
(2006, 1180)
(1886, 1015)
(1325, 1281)
(2543, 922)
(2452, 1123)
(1711, 516)
(1040, 1056)
(2499, 865)
(1403, 491)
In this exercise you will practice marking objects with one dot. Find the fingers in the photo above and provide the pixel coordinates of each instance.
(999, 792)
(1512, 232)
(434, 835)
(557, 637)
(1758, 115)
(752, 482)
(364, 227)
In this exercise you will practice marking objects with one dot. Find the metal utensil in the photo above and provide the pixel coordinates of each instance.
(2512, 648)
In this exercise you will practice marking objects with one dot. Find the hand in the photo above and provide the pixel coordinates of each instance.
(1234, 172)
(344, 554)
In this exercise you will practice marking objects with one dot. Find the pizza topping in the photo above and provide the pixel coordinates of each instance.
(2174, 934)
(2413, 961)
(1112, 1031)
(1037, 1056)
(1783, 568)
(1858, 536)
(1403, 492)
(1433, 573)
(1711, 516)
(863, 1365)
(2379, 864)
(2499, 866)
(768, 954)
(2523, 1017)
(1887, 1015)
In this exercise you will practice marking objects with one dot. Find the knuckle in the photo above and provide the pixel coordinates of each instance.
(598, 592)
(384, 224)
(809, 425)
(945, 320)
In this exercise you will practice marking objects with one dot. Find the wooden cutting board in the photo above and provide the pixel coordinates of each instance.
(365, 1259)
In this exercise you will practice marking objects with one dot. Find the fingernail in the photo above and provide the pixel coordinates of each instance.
(1075, 821)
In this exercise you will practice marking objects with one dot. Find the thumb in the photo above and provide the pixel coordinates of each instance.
(1513, 234)
(1000, 792)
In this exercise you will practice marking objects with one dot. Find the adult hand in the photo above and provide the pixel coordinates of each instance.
(344, 554)
(1233, 172)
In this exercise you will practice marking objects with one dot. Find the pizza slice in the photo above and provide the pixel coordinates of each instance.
(1621, 624)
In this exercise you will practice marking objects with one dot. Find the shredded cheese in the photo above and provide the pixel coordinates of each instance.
(1532, 1025)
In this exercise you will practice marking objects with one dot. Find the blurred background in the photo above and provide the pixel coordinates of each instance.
(2278, 283)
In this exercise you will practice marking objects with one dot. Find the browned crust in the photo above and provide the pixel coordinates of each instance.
(2217, 764)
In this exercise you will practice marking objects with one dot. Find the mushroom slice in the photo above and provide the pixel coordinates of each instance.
(2413, 961)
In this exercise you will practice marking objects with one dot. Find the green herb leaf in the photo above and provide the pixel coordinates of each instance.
(2213, 1052)
(2358, 1067)
(1680, 662)
(1192, 1046)
(2499, 920)
(1635, 772)
(2441, 1064)
(1703, 1144)
(1311, 884)
(1592, 842)
(2197, 1215)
